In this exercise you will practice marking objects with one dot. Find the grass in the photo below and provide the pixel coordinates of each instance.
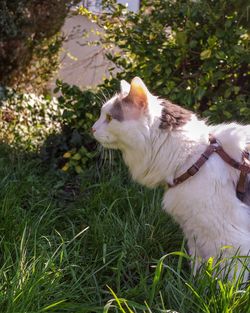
(96, 243)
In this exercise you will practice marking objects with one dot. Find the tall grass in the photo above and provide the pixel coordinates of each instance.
(96, 243)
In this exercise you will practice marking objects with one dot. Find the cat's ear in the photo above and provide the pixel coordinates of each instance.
(125, 87)
(138, 93)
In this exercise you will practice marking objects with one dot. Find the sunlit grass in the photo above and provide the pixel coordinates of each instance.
(97, 243)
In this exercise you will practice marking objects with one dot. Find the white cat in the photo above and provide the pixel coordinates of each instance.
(159, 141)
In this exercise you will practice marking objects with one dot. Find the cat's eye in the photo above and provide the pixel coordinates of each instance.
(108, 118)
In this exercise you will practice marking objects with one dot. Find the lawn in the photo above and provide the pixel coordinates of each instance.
(96, 242)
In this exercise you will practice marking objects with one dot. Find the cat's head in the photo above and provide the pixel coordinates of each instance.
(126, 118)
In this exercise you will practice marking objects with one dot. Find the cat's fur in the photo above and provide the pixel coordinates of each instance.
(159, 141)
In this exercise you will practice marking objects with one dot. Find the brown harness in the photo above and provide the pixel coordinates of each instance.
(243, 167)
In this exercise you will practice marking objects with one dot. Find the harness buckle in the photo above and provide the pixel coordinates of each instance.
(214, 142)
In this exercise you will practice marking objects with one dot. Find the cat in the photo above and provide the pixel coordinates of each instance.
(159, 141)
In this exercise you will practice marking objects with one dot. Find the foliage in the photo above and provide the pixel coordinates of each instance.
(79, 111)
(26, 119)
(29, 41)
(192, 52)
(43, 63)
(58, 128)
(96, 243)
(196, 53)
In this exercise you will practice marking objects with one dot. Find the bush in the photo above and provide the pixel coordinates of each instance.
(79, 111)
(29, 41)
(195, 53)
(58, 129)
(26, 119)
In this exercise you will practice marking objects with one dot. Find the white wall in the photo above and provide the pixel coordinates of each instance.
(133, 5)
(94, 5)
(81, 65)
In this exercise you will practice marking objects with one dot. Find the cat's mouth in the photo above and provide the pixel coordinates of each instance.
(109, 145)
(106, 142)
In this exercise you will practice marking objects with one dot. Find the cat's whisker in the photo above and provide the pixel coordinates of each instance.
(102, 153)
(110, 159)
(103, 96)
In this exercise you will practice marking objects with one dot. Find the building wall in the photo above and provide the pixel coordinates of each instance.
(82, 64)
(133, 5)
(95, 5)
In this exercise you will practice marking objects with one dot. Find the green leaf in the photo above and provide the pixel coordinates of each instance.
(78, 169)
(76, 156)
(205, 54)
(227, 93)
(181, 38)
(200, 92)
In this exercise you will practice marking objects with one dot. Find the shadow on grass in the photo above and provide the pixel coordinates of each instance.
(65, 237)
(95, 242)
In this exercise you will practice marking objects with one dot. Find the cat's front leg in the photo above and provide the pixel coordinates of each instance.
(226, 264)
(196, 259)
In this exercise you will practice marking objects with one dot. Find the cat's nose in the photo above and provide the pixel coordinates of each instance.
(93, 130)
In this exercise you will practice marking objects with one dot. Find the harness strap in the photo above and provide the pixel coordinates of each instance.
(214, 146)
(241, 186)
(195, 167)
(243, 167)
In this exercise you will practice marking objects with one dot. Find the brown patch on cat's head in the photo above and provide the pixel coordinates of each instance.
(131, 102)
(124, 109)
(173, 116)
(117, 111)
